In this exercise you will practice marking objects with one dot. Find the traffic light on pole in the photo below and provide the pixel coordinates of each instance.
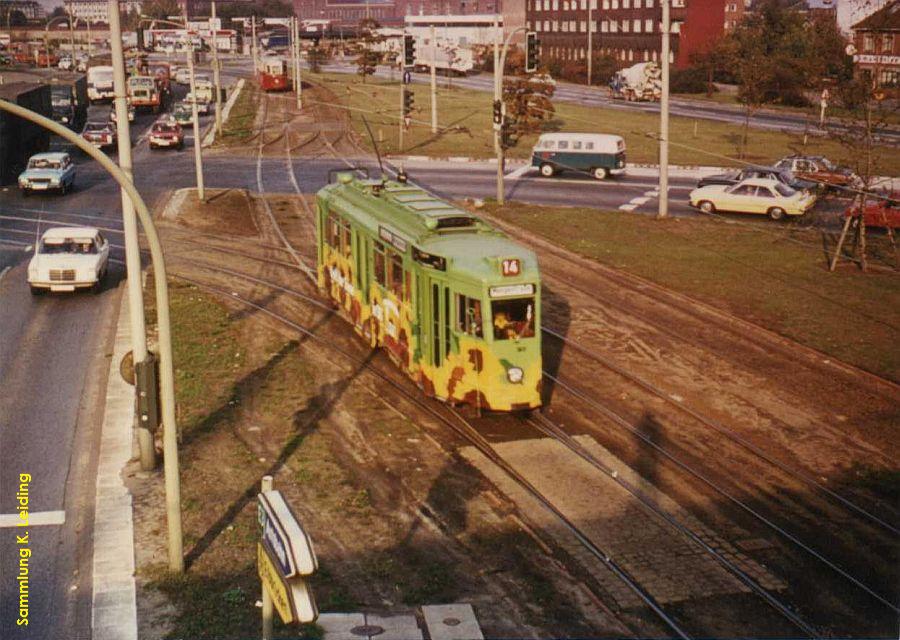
(409, 99)
(498, 112)
(508, 133)
(409, 50)
(531, 52)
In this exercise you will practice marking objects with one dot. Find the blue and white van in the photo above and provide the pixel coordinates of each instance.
(598, 154)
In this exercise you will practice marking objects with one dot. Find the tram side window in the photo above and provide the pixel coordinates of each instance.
(397, 274)
(346, 247)
(333, 231)
(380, 265)
(513, 319)
(468, 316)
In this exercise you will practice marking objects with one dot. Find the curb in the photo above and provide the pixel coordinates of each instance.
(210, 135)
(114, 599)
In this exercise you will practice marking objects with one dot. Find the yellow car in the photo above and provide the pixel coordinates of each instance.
(754, 195)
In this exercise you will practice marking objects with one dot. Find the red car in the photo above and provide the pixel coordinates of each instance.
(166, 134)
(878, 213)
(99, 134)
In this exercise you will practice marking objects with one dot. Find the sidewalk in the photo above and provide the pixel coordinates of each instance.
(114, 607)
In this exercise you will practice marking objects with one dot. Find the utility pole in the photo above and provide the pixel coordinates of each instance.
(402, 114)
(129, 223)
(299, 79)
(72, 38)
(498, 83)
(215, 62)
(198, 156)
(590, 25)
(253, 44)
(268, 611)
(89, 46)
(434, 119)
(663, 211)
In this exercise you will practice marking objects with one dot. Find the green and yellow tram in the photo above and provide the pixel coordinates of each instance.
(454, 302)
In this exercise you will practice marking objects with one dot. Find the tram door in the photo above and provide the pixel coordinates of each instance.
(439, 315)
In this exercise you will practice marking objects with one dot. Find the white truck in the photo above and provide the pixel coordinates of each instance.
(640, 82)
(100, 83)
(449, 57)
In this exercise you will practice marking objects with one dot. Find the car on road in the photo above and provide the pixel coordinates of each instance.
(879, 212)
(166, 133)
(183, 75)
(68, 258)
(755, 195)
(48, 171)
(183, 113)
(597, 154)
(202, 103)
(66, 63)
(817, 169)
(112, 113)
(99, 134)
(739, 175)
(81, 62)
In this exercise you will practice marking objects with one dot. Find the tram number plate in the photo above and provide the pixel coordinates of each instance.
(511, 267)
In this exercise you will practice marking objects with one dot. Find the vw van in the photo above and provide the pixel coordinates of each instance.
(597, 154)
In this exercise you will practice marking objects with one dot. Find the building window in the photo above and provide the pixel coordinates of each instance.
(556, 25)
(646, 55)
(546, 25)
(649, 4)
(582, 26)
(625, 26)
(572, 26)
(613, 26)
(676, 27)
(732, 8)
(594, 4)
(604, 26)
(868, 43)
(615, 4)
(626, 4)
(889, 78)
(678, 3)
(637, 4)
(565, 5)
(887, 43)
(648, 25)
(636, 27)
(606, 4)
(556, 5)
(593, 26)
(630, 55)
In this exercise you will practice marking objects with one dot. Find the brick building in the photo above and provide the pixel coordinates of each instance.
(391, 12)
(877, 42)
(628, 30)
(98, 10)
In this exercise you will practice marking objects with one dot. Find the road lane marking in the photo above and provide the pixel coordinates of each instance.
(3, 273)
(640, 201)
(35, 518)
(518, 173)
(627, 207)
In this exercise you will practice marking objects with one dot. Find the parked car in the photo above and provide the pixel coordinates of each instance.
(81, 62)
(66, 63)
(756, 195)
(68, 258)
(166, 133)
(99, 134)
(46, 171)
(183, 75)
(817, 169)
(739, 175)
(112, 113)
(879, 212)
(183, 113)
(597, 154)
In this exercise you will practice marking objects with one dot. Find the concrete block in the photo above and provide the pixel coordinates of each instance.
(395, 627)
(338, 626)
(452, 622)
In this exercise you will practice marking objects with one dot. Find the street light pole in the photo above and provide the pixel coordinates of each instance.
(663, 211)
(195, 118)
(129, 222)
(434, 117)
(215, 61)
(590, 53)
(499, 65)
(253, 44)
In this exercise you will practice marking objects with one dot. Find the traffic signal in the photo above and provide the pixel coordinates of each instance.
(409, 99)
(409, 51)
(508, 133)
(498, 112)
(531, 52)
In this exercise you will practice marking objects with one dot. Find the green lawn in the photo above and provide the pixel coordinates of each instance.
(465, 128)
(774, 275)
(239, 126)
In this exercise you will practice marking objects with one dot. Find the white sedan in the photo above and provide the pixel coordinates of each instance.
(754, 195)
(69, 258)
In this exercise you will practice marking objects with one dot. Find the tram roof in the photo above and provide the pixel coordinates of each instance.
(432, 225)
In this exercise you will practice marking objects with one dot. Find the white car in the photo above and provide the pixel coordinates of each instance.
(68, 258)
(754, 195)
(66, 63)
(183, 75)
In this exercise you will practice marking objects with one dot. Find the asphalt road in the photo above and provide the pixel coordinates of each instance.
(696, 109)
(54, 352)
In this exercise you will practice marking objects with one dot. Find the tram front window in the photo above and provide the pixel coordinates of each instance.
(513, 319)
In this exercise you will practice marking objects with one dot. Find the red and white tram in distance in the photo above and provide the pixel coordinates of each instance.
(273, 74)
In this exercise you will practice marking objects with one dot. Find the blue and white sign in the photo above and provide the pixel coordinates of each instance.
(284, 538)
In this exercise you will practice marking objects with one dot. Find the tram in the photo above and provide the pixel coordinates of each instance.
(454, 302)
(273, 74)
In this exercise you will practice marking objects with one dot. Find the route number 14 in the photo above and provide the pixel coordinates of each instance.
(510, 267)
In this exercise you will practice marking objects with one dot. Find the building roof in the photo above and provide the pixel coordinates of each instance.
(885, 19)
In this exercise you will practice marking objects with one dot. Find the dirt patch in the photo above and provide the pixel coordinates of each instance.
(224, 212)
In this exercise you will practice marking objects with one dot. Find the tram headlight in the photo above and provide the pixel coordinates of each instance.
(515, 375)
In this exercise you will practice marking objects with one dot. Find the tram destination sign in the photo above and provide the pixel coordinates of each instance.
(284, 538)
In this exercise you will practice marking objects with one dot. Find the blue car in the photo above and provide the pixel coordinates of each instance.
(48, 171)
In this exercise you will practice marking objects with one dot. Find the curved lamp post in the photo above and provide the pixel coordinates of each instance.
(166, 368)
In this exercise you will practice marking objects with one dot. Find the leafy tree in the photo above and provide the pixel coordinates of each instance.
(528, 103)
(368, 57)
(317, 56)
(15, 18)
(161, 8)
(58, 12)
